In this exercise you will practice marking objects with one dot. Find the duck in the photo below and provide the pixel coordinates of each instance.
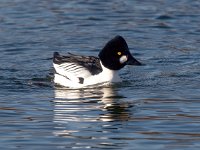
(77, 71)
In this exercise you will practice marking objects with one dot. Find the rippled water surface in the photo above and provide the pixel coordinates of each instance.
(157, 106)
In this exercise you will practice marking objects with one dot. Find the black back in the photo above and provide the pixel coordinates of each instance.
(91, 63)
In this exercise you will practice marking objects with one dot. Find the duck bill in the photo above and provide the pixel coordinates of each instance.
(133, 61)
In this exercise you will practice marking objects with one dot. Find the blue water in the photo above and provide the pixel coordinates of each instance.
(157, 106)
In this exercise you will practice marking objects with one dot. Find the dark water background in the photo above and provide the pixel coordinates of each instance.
(156, 107)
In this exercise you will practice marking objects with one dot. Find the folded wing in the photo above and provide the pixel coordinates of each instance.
(75, 67)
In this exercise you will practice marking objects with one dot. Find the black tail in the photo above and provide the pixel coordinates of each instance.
(56, 57)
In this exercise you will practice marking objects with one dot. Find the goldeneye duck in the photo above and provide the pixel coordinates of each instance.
(75, 71)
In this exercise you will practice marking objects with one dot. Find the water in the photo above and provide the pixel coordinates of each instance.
(156, 106)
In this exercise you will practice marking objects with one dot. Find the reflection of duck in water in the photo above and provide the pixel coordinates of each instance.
(75, 110)
(115, 108)
(80, 105)
(79, 71)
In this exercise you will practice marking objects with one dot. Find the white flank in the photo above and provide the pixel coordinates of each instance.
(70, 79)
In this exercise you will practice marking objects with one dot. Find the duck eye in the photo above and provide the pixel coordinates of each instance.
(119, 53)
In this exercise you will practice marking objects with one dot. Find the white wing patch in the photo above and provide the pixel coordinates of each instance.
(72, 71)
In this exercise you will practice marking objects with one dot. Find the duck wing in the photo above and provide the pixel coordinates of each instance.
(75, 66)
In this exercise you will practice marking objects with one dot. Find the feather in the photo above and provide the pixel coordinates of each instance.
(75, 67)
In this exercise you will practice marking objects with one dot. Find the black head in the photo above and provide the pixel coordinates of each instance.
(115, 55)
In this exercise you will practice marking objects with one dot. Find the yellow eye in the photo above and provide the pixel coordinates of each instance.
(119, 53)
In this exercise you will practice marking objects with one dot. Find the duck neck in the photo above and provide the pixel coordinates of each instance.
(110, 75)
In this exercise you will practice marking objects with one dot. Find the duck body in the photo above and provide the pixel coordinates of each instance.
(75, 71)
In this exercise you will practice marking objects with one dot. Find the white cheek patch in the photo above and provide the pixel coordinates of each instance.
(123, 59)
